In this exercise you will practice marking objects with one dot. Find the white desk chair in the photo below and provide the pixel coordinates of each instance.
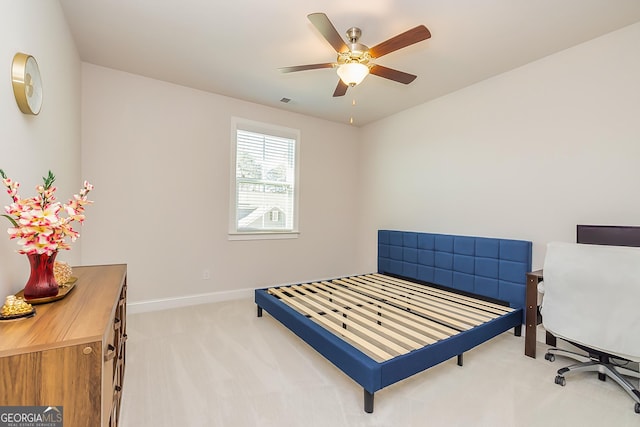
(591, 295)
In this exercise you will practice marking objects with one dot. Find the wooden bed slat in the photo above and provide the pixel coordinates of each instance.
(432, 313)
(338, 330)
(381, 315)
(385, 316)
(383, 342)
(352, 312)
(433, 329)
(408, 308)
(452, 296)
(463, 313)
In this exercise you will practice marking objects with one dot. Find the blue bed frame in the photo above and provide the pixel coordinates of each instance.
(487, 267)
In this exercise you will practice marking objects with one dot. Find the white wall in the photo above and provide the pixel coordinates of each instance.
(32, 145)
(527, 154)
(159, 156)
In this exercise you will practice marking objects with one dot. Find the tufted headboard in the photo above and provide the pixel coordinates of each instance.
(489, 267)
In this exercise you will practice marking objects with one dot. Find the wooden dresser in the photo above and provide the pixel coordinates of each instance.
(72, 352)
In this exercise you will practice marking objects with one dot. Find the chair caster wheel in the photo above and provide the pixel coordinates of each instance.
(550, 357)
(637, 408)
(561, 380)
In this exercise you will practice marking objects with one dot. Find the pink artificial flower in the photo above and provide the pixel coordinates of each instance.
(38, 226)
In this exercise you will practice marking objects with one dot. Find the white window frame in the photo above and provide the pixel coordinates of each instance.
(238, 123)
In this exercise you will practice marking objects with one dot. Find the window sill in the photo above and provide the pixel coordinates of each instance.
(264, 235)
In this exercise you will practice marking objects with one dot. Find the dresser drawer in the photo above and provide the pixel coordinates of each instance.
(72, 353)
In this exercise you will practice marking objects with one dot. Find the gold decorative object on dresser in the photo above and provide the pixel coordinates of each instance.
(72, 352)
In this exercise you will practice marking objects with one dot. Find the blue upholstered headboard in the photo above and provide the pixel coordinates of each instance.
(490, 267)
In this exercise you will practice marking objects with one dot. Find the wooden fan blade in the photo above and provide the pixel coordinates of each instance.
(306, 67)
(341, 89)
(405, 39)
(391, 74)
(328, 31)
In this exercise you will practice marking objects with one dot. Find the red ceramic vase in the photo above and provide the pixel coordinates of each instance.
(41, 283)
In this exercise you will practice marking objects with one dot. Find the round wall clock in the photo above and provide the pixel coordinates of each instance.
(27, 85)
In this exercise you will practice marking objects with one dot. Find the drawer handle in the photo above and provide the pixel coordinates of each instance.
(111, 353)
(116, 324)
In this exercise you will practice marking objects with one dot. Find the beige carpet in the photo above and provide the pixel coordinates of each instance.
(220, 365)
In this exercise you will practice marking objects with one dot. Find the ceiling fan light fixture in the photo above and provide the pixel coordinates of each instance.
(352, 73)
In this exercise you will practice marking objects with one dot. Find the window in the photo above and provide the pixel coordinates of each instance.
(264, 180)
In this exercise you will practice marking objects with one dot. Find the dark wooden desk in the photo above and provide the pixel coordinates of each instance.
(531, 314)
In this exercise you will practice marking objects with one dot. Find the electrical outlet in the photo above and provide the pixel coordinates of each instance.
(206, 275)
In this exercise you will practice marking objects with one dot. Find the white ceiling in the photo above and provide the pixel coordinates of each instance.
(235, 48)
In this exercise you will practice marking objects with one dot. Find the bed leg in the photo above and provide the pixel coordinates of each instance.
(368, 402)
(259, 311)
(517, 331)
(460, 359)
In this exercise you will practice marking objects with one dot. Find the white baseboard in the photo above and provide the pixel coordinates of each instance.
(167, 303)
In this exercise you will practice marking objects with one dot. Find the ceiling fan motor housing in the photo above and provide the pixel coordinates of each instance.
(357, 51)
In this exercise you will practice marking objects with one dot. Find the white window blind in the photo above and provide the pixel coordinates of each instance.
(265, 182)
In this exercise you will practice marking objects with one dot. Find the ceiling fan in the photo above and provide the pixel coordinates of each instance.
(354, 61)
